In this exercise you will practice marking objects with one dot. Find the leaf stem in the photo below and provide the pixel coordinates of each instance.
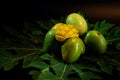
(115, 61)
(63, 72)
(112, 40)
(18, 58)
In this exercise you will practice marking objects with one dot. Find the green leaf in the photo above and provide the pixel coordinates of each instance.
(81, 13)
(37, 32)
(114, 38)
(32, 61)
(89, 75)
(60, 69)
(46, 25)
(105, 66)
(86, 66)
(59, 20)
(59, 72)
(114, 35)
(52, 71)
(96, 26)
(21, 46)
(7, 60)
(103, 27)
(35, 74)
(86, 75)
(118, 68)
(115, 62)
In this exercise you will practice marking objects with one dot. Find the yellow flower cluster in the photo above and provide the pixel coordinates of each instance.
(66, 31)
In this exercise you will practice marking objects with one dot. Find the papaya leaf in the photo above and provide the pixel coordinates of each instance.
(118, 68)
(32, 61)
(17, 38)
(37, 32)
(34, 74)
(86, 66)
(46, 25)
(117, 58)
(105, 66)
(60, 20)
(115, 62)
(118, 46)
(114, 35)
(86, 75)
(59, 70)
(34, 32)
(18, 45)
(7, 60)
(53, 70)
(89, 75)
(96, 26)
(103, 27)
(54, 21)
(81, 13)
(12, 59)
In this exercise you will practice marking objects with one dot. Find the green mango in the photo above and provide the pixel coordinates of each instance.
(72, 49)
(95, 42)
(78, 21)
(50, 42)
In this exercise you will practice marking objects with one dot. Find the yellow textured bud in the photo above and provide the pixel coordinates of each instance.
(57, 25)
(66, 31)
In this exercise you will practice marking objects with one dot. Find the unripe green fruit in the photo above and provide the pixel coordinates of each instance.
(72, 49)
(95, 42)
(78, 22)
(49, 40)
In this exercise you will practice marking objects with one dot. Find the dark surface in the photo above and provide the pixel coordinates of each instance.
(94, 10)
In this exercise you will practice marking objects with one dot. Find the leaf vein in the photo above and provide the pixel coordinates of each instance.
(18, 58)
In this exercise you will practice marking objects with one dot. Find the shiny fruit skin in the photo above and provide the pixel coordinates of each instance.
(95, 42)
(49, 40)
(72, 49)
(78, 22)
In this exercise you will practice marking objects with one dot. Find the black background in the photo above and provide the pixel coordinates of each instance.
(94, 10)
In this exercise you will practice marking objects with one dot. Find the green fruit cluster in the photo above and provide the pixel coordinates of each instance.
(73, 47)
